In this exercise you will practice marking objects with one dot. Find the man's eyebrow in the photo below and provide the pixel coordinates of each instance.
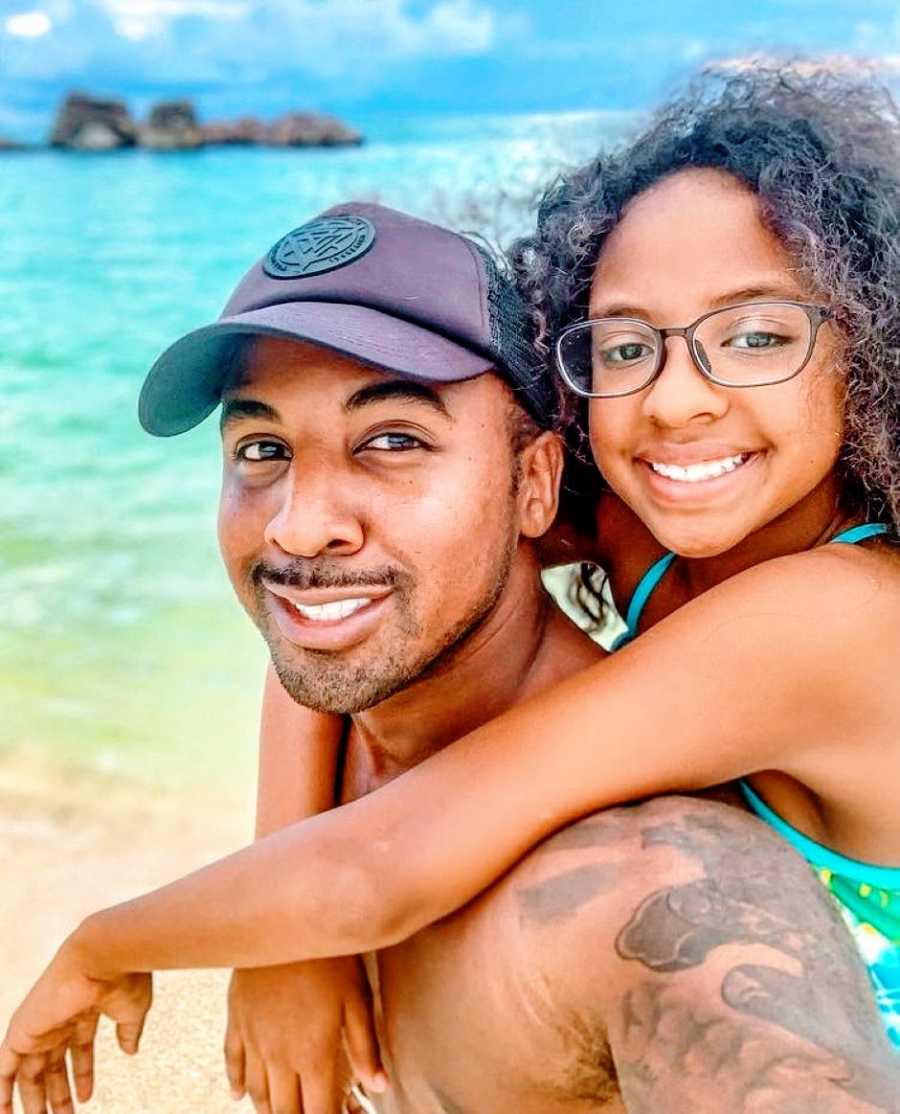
(409, 390)
(236, 409)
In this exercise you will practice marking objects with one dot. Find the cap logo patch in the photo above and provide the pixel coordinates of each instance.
(321, 245)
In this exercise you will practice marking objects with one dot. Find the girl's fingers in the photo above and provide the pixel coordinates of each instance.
(128, 1034)
(81, 1053)
(56, 1084)
(284, 1092)
(362, 1043)
(31, 1084)
(234, 1062)
(9, 1066)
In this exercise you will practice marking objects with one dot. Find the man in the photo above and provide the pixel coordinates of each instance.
(386, 476)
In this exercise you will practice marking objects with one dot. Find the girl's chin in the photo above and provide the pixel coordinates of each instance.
(685, 539)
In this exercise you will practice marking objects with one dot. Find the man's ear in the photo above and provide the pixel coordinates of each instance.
(540, 473)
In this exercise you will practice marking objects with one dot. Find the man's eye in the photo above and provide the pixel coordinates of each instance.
(393, 443)
(261, 451)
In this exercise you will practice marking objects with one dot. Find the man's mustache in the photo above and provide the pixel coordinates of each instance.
(304, 575)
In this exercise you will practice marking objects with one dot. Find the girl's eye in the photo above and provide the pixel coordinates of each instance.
(257, 452)
(757, 340)
(627, 353)
(393, 443)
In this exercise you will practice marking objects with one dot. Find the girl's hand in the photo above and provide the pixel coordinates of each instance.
(60, 1015)
(283, 1043)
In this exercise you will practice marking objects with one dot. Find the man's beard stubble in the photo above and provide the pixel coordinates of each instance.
(328, 684)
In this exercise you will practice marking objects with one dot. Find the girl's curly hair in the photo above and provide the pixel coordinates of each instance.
(822, 152)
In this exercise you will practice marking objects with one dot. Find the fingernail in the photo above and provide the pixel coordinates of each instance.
(236, 1094)
(379, 1082)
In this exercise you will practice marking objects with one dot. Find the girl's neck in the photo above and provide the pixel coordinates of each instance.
(811, 522)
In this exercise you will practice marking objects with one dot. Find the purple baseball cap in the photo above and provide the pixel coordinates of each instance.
(374, 284)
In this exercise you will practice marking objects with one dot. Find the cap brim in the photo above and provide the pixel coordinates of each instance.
(185, 384)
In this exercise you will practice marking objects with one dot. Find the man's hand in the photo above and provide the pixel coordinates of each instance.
(60, 1015)
(283, 1043)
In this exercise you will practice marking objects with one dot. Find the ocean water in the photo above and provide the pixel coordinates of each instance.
(121, 647)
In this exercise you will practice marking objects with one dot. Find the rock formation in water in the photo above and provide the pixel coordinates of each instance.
(311, 129)
(11, 145)
(85, 123)
(171, 126)
(244, 130)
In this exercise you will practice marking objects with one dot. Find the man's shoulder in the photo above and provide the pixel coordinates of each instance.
(580, 895)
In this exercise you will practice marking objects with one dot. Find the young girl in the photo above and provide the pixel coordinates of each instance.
(724, 292)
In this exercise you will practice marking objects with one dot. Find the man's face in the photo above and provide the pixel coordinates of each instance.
(368, 523)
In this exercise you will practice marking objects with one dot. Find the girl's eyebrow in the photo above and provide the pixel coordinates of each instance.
(776, 291)
(237, 409)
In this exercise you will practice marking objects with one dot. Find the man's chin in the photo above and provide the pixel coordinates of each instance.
(326, 683)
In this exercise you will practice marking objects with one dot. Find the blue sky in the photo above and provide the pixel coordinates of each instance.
(363, 57)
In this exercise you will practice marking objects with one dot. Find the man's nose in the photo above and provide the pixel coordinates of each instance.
(681, 394)
(317, 515)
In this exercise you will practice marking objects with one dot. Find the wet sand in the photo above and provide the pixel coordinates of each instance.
(69, 846)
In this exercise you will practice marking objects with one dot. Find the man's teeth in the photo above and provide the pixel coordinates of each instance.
(694, 473)
(331, 612)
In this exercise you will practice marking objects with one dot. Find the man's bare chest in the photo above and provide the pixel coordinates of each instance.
(465, 1025)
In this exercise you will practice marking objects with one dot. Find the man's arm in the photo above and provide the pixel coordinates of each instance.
(698, 964)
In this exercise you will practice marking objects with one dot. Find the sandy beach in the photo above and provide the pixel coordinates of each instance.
(69, 845)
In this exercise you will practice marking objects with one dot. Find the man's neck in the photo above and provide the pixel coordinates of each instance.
(522, 645)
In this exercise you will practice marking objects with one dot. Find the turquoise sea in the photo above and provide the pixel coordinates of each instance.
(121, 648)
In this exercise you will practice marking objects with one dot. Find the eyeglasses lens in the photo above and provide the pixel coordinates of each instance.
(755, 343)
(742, 346)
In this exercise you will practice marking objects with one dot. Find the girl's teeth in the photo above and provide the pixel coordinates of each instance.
(695, 473)
(331, 612)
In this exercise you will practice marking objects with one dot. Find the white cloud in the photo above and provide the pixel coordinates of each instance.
(356, 45)
(320, 34)
(463, 24)
(138, 19)
(29, 25)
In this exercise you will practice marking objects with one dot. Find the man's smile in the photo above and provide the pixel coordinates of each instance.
(328, 619)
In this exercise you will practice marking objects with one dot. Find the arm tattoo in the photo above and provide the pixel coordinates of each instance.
(563, 895)
(677, 1048)
(754, 891)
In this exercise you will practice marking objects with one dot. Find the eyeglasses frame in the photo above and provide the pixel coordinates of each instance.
(817, 316)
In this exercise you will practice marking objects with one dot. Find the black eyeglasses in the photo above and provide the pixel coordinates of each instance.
(754, 344)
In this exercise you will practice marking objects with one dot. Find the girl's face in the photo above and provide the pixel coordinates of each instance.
(692, 243)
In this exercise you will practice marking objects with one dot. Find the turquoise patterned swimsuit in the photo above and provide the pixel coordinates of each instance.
(868, 896)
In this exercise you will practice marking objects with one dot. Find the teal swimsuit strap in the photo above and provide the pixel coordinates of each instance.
(854, 534)
(642, 593)
(884, 877)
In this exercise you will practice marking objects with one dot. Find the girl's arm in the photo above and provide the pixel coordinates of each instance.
(766, 671)
(298, 757)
